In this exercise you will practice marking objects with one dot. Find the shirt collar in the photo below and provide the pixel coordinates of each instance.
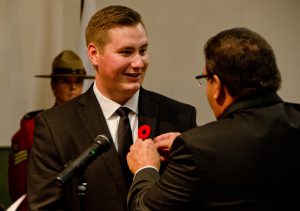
(109, 107)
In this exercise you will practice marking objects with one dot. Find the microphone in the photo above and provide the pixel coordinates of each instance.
(100, 145)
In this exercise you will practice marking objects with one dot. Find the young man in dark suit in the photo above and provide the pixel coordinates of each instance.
(117, 46)
(249, 159)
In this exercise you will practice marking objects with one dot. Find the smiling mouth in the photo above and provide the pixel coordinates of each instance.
(133, 75)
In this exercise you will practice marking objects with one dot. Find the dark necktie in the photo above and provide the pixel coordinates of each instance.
(124, 140)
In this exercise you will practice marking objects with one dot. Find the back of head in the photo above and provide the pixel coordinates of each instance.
(244, 62)
(107, 18)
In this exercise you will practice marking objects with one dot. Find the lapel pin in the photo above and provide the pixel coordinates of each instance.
(144, 131)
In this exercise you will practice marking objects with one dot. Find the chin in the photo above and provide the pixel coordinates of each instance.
(133, 87)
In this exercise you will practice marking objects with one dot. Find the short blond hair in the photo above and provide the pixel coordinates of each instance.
(107, 18)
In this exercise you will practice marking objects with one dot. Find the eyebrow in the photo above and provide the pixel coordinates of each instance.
(130, 47)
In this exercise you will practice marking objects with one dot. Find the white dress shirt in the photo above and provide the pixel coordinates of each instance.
(109, 108)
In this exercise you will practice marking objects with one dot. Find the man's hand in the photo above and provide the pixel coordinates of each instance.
(163, 144)
(143, 153)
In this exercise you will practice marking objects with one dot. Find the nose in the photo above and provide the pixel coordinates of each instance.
(73, 84)
(138, 62)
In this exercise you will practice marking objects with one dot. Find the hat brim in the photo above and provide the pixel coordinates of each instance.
(65, 75)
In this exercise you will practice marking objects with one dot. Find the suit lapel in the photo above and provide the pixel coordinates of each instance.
(91, 115)
(148, 112)
(94, 121)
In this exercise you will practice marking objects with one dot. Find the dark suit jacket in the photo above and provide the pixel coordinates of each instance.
(247, 160)
(63, 132)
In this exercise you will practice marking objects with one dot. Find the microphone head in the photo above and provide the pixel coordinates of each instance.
(102, 139)
(78, 165)
(101, 142)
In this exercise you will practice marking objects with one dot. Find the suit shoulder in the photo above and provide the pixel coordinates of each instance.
(31, 114)
(162, 99)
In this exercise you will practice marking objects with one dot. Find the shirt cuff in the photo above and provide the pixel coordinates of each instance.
(149, 166)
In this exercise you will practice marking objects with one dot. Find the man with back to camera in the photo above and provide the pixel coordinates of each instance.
(117, 45)
(249, 159)
(67, 78)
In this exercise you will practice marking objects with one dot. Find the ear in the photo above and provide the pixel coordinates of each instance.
(221, 94)
(217, 87)
(93, 53)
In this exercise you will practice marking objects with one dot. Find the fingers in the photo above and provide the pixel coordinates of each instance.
(162, 137)
(170, 135)
(163, 143)
(165, 140)
(143, 153)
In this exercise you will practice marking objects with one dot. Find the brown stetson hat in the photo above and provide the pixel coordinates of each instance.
(67, 63)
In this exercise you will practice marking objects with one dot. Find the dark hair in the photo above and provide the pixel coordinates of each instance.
(244, 62)
(107, 18)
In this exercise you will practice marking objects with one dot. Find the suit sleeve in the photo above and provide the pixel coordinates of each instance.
(43, 193)
(173, 190)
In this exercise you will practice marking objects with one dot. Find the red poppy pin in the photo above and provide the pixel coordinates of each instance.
(144, 131)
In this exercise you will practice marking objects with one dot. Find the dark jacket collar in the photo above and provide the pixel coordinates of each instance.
(251, 101)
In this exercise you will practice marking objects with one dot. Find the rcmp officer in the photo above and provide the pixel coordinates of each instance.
(67, 78)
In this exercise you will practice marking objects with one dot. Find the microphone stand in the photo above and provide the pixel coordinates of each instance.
(81, 190)
(78, 166)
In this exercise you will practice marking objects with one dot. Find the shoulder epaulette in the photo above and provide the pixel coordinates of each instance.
(32, 114)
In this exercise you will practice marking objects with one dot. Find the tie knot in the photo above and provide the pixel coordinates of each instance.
(123, 111)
